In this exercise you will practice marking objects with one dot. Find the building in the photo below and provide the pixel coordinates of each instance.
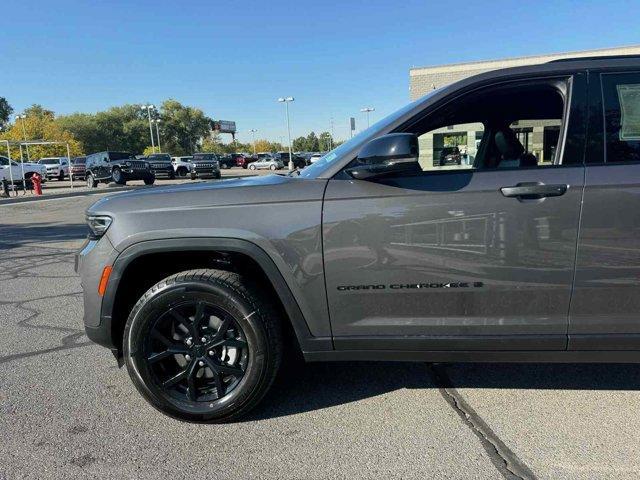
(537, 136)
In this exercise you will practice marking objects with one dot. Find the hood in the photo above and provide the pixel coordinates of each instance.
(239, 191)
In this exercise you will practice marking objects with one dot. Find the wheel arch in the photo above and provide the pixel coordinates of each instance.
(143, 264)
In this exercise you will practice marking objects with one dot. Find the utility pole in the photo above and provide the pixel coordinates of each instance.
(148, 109)
(157, 122)
(22, 116)
(367, 110)
(253, 134)
(286, 101)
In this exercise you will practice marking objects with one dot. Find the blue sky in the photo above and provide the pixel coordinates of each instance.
(233, 59)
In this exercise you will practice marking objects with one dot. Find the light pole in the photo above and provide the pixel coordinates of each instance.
(148, 109)
(367, 110)
(286, 101)
(253, 134)
(157, 122)
(22, 116)
(331, 139)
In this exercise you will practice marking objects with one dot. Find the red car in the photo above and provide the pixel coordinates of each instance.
(242, 160)
(78, 167)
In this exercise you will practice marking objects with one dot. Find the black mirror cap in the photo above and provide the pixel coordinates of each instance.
(389, 149)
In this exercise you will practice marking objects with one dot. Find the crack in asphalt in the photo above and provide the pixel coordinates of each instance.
(503, 458)
(13, 270)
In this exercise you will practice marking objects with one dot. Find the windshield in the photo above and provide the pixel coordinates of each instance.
(316, 168)
(79, 161)
(49, 161)
(120, 156)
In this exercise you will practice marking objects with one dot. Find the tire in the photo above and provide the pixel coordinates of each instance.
(193, 176)
(218, 176)
(149, 180)
(172, 175)
(272, 167)
(231, 382)
(182, 172)
(91, 182)
(117, 176)
(61, 176)
(252, 167)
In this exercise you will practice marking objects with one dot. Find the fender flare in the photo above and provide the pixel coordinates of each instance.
(306, 341)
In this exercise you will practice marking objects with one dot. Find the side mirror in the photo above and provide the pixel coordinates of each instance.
(391, 153)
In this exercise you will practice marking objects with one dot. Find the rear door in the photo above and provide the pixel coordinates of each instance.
(447, 259)
(605, 310)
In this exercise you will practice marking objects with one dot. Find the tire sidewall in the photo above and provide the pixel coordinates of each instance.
(138, 328)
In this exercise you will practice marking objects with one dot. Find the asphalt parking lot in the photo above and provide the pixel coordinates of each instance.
(67, 411)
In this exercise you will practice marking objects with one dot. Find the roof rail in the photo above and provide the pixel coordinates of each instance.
(595, 57)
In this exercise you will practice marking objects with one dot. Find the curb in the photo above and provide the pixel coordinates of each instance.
(54, 196)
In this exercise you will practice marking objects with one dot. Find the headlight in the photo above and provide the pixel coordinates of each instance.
(127, 164)
(98, 224)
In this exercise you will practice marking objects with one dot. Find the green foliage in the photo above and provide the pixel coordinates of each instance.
(149, 150)
(182, 127)
(5, 113)
(314, 143)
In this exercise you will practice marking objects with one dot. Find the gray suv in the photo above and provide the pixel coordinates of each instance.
(528, 253)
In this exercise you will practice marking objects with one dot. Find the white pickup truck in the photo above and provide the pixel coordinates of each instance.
(17, 168)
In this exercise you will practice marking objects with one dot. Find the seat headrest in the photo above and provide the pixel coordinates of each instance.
(508, 144)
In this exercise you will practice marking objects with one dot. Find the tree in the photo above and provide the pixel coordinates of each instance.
(5, 113)
(325, 142)
(39, 124)
(181, 127)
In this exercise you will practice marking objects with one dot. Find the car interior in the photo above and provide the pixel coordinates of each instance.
(499, 109)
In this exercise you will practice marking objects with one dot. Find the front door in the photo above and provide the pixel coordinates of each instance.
(461, 255)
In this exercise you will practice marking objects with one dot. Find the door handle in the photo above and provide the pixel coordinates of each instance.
(534, 190)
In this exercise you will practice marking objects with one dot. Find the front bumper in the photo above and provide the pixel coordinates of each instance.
(93, 256)
(163, 171)
(205, 172)
(136, 173)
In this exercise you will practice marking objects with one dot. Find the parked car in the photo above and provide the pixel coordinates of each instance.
(161, 165)
(17, 169)
(315, 157)
(117, 166)
(78, 167)
(57, 167)
(298, 162)
(227, 161)
(450, 156)
(244, 160)
(205, 165)
(516, 258)
(182, 165)
(267, 163)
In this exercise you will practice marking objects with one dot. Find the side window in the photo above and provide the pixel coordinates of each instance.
(621, 100)
(4, 161)
(508, 127)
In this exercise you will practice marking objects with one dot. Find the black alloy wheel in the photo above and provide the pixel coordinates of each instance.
(202, 346)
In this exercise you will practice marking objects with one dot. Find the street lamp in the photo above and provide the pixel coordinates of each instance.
(148, 108)
(367, 110)
(286, 101)
(157, 122)
(253, 134)
(22, 116)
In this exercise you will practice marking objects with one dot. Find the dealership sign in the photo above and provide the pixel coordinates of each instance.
(224, 126)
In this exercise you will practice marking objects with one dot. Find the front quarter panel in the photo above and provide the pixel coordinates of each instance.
(281, 217)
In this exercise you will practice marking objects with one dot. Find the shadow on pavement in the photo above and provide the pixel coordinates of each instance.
(315, 386)
(17, 235)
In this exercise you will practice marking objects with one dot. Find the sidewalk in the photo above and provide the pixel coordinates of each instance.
(56, 189)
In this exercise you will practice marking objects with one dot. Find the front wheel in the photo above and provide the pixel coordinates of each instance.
(272, 167)
(91, 182)
(61, 176)
(118, 177)
(252, 167)
(149, 180)
(203, 346)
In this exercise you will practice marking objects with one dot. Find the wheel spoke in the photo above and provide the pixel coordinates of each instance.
(198, 317)
(222, 329)
(229, 370)
(192, 391)
(234, 343)
(156, 335)
(176, 378)
(172, 350)
(216, 377)
(185, 322)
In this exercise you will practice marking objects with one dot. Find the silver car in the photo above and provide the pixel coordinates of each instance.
(270, 163)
